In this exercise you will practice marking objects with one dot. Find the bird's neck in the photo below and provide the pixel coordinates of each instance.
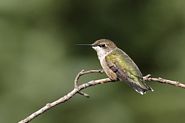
(102, 53)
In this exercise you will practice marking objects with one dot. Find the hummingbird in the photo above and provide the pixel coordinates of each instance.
(118, 66)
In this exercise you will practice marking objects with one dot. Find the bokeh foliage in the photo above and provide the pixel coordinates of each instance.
(39, 59)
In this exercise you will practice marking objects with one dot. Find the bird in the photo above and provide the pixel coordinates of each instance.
(118, 66)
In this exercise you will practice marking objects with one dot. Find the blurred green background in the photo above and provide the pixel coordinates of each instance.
(39, 59)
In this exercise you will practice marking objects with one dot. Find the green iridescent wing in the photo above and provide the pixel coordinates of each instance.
(125, 69)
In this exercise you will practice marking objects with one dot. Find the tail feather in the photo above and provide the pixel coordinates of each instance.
(140, 89)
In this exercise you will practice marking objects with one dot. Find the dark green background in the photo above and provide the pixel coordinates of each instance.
(39, 59)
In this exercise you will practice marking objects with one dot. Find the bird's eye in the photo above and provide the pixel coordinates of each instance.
(102, 45)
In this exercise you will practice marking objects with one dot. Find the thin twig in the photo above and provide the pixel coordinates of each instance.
(83, 72)
(78, 88)
(164, 81)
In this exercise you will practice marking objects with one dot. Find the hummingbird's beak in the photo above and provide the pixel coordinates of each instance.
(85, 44)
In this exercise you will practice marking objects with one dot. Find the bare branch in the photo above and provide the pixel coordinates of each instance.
(78, 88)
(68, 96)
(163, 81)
